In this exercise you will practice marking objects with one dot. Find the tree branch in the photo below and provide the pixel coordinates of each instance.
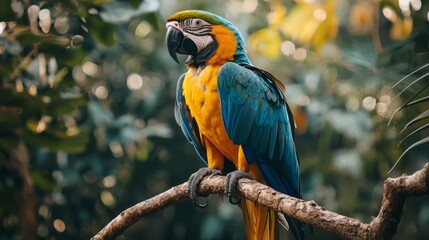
(396, 191)
(384, 226)
(18, 165)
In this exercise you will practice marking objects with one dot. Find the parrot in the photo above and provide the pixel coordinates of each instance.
(236, 117)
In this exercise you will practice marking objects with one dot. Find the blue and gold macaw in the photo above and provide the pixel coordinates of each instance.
(235, 115)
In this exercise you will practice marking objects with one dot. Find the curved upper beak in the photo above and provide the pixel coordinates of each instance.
(177, 42)
(174, 39)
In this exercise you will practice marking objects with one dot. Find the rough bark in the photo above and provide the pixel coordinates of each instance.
(384, 226)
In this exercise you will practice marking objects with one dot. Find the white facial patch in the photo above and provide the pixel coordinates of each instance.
(200, 41)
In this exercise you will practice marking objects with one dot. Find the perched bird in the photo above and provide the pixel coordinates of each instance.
(235, 115)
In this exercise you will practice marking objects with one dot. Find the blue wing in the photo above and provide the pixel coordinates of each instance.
(256, 116)
(187, 122)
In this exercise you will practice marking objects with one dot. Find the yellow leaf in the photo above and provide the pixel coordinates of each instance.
(293, 24)
(362, 18)
(277, 14)
(32, 125)
(327, 31)
(311, 23)
(266, 42)
(401, 28)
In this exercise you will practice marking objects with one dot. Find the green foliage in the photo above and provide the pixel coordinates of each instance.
(101, 31)
(419, 99)
(122, 12)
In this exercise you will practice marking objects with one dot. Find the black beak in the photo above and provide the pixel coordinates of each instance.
(174, 40)
(178, 43)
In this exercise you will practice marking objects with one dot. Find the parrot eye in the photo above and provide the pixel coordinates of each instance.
(198, 23)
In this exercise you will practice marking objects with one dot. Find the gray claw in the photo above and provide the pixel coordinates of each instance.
(231, 185)
(195, 180)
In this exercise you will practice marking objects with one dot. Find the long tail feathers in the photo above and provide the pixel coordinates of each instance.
(259, 221)
(262, 223)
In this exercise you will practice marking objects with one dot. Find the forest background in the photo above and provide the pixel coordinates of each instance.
(87, 124)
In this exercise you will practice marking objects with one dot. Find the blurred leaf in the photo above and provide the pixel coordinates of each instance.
(348, 160)
(73, 144)
(27, 38)
(152, 19)
(8, 122)
(355, 125)
(418, 92)
(9, 97)
(101, 115)
(12, 48)
(42, 181)
(399, 56)
(6, 12)
(135, 3)
(266, 42)
(312, 23)
(8, 143)
(102, 32)
(421, 100)
(416, 144)
(401, 28)
(362, 53)
(421, 116)
(121, 12)
(100, 2)
(62, 106)
(59, 76)
(32, 125)
(415, 131)
(158, 130)
(410, 101)
(65, 56)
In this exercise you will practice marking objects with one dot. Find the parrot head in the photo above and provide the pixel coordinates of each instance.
(204, 37)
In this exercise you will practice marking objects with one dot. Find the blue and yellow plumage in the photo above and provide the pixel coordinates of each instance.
(233, 112)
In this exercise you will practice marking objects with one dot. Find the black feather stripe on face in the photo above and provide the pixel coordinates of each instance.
(201, 58)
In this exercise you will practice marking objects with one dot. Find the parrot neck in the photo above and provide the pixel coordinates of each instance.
(240, 56)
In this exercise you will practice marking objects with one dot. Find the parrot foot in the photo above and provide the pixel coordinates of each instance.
(195, 180)
(232, 183)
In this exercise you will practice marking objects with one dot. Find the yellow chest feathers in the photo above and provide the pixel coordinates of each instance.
(202, 97)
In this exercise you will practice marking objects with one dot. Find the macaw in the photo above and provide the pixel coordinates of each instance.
(235, 115)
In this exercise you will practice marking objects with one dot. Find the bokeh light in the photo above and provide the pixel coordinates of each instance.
(142, 29)
(319, 14)
(45, 20)
(59, 225)
(109, 181)
(108, 199)
(369, 103)
(101, 92)
(288, 48)
(134, 81)
(61, 24)
(90, 69)
(300, 54)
